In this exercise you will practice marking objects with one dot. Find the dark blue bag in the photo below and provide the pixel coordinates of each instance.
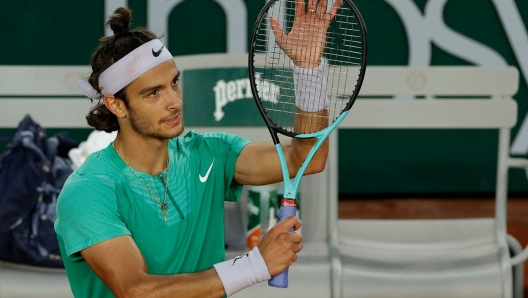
(31, 177)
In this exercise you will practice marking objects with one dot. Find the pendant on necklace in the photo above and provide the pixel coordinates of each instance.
(164, 209)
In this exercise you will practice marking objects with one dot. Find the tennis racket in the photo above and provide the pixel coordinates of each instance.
(329, 44)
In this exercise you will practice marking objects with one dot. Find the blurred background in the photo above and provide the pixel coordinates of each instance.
(383, 173)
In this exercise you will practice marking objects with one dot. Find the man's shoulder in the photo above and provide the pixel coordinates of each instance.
(99, 163)
(91, 185)
(98, 170)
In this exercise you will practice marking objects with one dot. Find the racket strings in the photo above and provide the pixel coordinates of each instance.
(274, 76)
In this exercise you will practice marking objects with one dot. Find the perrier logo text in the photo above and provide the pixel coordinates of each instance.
(226, 92)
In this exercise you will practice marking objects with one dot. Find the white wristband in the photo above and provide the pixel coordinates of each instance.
(310, 88)
(243, 271)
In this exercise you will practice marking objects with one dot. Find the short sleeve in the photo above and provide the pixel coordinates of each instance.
(87, 213)
(236, 144)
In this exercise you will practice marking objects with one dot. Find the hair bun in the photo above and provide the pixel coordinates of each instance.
(119, 22)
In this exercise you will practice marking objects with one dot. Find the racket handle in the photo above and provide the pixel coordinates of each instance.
(288, 208)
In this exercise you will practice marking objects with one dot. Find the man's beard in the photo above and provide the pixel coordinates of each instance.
(141, 126)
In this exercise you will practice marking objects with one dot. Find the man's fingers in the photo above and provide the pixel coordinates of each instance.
(312, 5)
(295, 238)
(296, 227)
(277, 29)
(334, 9)
(296, 247)
(289, 223)
(323, 6)
(299, 8)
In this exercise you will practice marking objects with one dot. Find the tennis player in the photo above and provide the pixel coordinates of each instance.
(145, 216)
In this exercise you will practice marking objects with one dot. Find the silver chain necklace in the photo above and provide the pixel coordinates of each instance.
(164, 206)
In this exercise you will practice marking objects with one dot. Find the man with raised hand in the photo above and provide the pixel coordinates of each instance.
(144, 217)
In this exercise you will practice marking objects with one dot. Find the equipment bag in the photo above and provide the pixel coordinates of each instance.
(31, 177)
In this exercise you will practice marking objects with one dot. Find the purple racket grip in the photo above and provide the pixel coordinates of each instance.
(288, 208)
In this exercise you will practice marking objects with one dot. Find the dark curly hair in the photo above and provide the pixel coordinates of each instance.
(110, 50)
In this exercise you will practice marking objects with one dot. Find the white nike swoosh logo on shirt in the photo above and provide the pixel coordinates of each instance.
(204, 178)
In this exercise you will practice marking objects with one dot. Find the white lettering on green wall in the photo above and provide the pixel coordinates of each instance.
(227, 92)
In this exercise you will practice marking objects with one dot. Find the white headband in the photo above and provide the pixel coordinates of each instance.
(127, 69)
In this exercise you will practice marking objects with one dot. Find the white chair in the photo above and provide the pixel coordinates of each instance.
(430, 258)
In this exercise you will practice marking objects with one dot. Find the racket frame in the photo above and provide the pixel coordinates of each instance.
(291, 186)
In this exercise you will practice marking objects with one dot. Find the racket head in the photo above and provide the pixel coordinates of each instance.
(271, 70)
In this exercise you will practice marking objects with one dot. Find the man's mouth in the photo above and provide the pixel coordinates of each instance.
(173, 119)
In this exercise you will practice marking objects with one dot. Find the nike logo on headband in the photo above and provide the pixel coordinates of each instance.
(157, 53)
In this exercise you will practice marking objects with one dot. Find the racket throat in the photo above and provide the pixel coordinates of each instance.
(290, 188)
(289, 193)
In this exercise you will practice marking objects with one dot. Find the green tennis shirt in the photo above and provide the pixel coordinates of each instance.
(103, 199)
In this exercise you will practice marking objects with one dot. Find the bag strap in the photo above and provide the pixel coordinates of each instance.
(53, 145)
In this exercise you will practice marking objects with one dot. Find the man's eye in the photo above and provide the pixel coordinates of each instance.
(153, 93)
(175, 81)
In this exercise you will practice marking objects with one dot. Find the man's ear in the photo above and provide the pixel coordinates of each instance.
(115, 105)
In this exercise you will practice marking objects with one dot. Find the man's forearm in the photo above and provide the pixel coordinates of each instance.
(227, 278)
(201, 284)
(306, 122)
(309, 122)
(311, 116)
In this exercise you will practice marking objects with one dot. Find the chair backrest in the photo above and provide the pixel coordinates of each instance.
(448, 97)
(49, 93)
(440, 80)
(454, 97)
